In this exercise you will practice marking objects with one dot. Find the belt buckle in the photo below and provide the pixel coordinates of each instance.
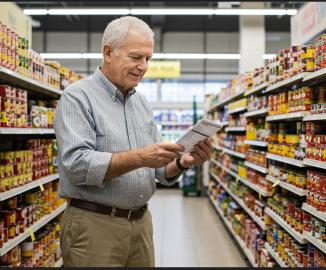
(129, 214)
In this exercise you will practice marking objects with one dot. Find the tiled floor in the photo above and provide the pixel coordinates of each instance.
(188, 232)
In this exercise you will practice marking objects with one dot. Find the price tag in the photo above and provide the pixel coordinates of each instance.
(260, 196)
(31, 234)
(41, 185)
(277, 183)
(237, 180)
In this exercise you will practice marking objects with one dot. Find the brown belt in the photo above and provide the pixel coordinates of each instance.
(131, 214)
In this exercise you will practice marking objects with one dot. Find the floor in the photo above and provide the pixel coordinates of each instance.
(188, 232)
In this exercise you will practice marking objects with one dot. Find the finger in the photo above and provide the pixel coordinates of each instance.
(209, 143)
(172, 147)
(205, 148)
(170, 154)
(200, 152)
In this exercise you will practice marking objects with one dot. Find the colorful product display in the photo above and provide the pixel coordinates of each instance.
(237, 120)
(316, 185)
(241, 103)
(233, 142)
(257, 102)
(316, 141)
(257, 130)
(20, 167)
(257, 157)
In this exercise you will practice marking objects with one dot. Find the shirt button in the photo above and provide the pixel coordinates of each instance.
(140, 173)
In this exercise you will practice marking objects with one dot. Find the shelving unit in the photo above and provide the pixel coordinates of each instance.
(291, 161)
(316, 242)
(26, 131)
(42, 181)
(314, 163)
(256, 89)
(236, 96)
(59, 263)
(228, 151)
(261, 112)
(238, 110)
(254, 187)
(315, 117)
(299, 237)
(225, 123)
(316, 76)
(292, 80)
(308, 208)
(36, 226)
(256, 143)
(275, 256)
(170, 123)
(256, 167)
(33, 86)
(241, 243)
(235, 129)
(287, 186)
(287, 116)
(259, 221)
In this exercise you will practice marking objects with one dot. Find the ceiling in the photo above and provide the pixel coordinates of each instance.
(166, 23)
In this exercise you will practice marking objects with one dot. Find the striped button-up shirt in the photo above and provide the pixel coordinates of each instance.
(93, 120)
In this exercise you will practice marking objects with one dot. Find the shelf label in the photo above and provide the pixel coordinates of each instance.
(41, 185)
(237, 180)
(31, 234)
(277, 183)
(260, 196)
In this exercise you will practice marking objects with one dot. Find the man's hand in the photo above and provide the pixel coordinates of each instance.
(199, 155)
(159, 154)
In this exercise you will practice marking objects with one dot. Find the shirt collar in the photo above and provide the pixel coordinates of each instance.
(110, 87)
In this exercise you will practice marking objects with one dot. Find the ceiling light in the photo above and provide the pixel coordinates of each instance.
(268, 56)
(61, 55)
(171, 11)
(94, 11)
(162, 11)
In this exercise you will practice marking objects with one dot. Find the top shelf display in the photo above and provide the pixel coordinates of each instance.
(32, 86)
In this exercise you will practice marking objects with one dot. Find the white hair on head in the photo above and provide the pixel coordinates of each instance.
(117, 30)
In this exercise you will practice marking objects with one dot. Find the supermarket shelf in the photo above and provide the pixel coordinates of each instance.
(256, 143)
(241, 203)
(32, 86)
(316, 76)
(314, 163)
(256, 89)
(256, 167)
(315, 117)
(231, 152)
(244, 181)
(256, 113)
(36, 226)
(237, 110)
(275, 256)
(175, 105)
(228, 129)
(314, 211)
(291, 161)
(298, 236)
(287, 186)
(29, 186)
(241, 243)
(286, 82)
(27, 131)
(225, 123)
(58, 263)
(170, 123)
(287, 116)
(316, 242)
(221, 103)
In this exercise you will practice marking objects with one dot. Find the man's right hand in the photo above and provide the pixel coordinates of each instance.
(159, 154)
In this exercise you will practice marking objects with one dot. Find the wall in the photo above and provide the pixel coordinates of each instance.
(173, 42)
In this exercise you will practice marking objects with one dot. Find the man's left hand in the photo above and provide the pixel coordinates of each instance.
(199, 155)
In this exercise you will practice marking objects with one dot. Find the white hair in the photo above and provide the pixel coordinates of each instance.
(117, 30)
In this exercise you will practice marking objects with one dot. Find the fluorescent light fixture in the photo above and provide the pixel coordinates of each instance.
(61, 55)
(162, 11)
(171, 11)
(189, 56)
(90, 11)
(268, 56)
(35, 11)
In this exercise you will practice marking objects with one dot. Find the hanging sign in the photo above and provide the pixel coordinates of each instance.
(163, 69)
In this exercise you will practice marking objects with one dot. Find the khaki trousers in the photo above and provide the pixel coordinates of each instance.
(90, 239)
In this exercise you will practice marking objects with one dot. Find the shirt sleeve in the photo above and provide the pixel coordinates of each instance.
(76, 137)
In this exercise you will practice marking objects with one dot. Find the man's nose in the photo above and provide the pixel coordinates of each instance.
(143, 65)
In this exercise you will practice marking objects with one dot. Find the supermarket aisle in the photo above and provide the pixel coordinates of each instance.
(188, 232)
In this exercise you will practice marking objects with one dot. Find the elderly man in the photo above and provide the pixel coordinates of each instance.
(110, 155)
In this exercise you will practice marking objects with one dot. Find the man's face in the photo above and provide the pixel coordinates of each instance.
(129, 62)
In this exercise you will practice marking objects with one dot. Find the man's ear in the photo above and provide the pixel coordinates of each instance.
(107, 50)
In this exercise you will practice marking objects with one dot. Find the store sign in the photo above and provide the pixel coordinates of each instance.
(163, 69)
(309, 22)
(14, 18)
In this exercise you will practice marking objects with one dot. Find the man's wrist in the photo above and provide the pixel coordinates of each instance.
(180, 166)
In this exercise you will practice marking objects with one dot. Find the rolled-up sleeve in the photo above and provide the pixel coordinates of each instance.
(75, 131)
